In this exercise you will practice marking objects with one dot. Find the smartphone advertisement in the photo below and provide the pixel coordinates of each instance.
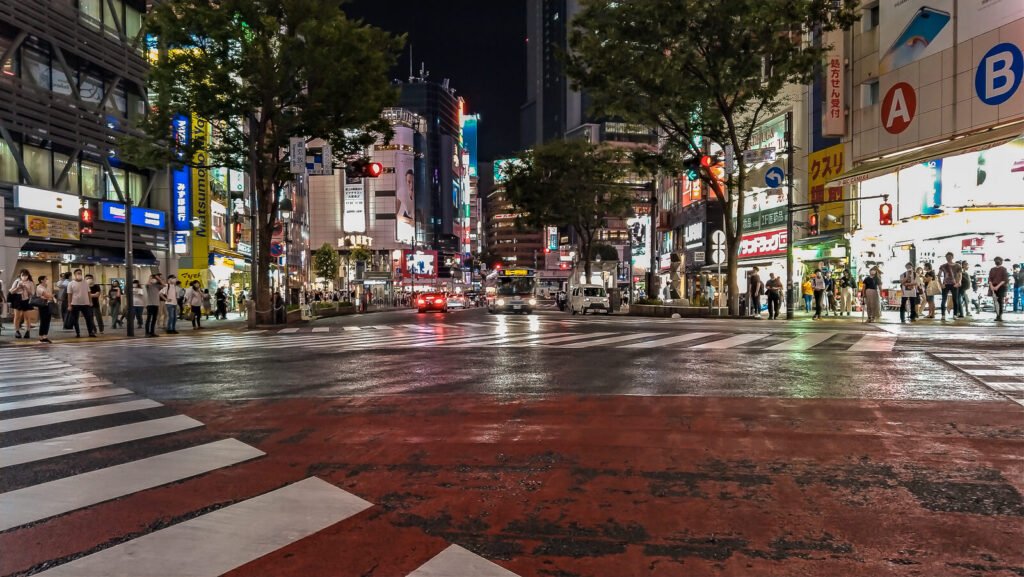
(912, 30)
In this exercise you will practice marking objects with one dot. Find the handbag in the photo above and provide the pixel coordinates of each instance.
(933, 288)
(37, 301)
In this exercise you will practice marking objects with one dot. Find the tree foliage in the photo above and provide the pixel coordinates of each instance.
(571, 183)
(700, 69)
(261, 72)
(326, 262)
(360, 254)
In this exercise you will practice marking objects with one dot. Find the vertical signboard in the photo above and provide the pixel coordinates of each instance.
(354, 219)
(834, 122)
(201, 189)
(181, 183)
(405, 185)
(823, 166)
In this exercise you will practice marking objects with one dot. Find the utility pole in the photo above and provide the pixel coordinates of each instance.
(790, 309)
(129, 266)
(256, 274)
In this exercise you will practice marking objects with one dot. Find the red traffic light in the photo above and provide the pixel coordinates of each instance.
(85, 219)
(812, 224)
(885, 214)
(497, 266)
(373, 169)
(708, 161)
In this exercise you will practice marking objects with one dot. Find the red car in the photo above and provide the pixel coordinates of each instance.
(432, 302)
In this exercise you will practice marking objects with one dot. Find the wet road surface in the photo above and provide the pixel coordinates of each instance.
(546, 445)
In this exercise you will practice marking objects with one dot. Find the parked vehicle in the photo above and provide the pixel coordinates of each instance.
(589, 297)
(457, 302)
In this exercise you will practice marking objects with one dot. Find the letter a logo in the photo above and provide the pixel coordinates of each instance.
(898, 108)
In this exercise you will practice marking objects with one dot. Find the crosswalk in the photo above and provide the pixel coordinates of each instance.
(1000, 371)
(414, 336)
(50, 396)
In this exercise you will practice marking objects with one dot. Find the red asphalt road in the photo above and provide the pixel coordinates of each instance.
(608, 486)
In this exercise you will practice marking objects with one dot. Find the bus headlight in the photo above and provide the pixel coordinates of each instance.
(501, 302)
(533, 302)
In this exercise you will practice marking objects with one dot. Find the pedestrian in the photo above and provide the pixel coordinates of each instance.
(931, 290)
(967, 288)
(807, 289)
(908, 282)
(949, 277)
(846, 292)
(710, 290)
(94, 297)
(194, 297)
(62, 295)
(1018, 288)
(20, 297)
(169, 296)
(774, 287)
(872, 300)
(919, 271)
(154, 290)
(180, 299)
(755, 288)
(818, 284)
(42, 300)
(138, 302)
(207, 303)
(243, 309)
(80, 304)
(114, 303)
(221, 298)
(998, 280)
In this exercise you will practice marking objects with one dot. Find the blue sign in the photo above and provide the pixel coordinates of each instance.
(774, 177)
(142, 217)
(181, 189)
(999, 74)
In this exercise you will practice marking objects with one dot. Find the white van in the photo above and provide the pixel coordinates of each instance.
(589, 297)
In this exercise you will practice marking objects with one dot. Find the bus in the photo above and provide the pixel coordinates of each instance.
(512, 290)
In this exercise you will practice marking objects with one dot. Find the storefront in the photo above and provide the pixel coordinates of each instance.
(765, 249)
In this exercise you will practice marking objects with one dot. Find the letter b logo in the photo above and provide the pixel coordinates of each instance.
(999, 74)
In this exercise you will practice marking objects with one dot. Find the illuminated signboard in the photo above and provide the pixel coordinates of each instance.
(181, 179)
(42, 200)
(144, 217)
(514, 272)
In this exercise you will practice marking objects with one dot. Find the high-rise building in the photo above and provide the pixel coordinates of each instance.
(552, 107)
(71, 80)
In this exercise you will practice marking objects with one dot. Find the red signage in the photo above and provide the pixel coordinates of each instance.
(764, 243)
(898, 108)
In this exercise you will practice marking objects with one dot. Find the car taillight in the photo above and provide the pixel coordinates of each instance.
(421, 301)
(438, 300)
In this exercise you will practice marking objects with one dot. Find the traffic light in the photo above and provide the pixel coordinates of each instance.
(709, 161)
(885, 214)
(691, 168)
(812, 224)
(363, 168)
(85, 219)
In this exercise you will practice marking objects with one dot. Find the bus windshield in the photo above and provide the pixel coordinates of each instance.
(515, 286)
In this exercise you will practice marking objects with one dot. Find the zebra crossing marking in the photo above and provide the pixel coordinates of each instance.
(321, 329)
(54, 498)
(667, 341)
(801, 342)
(32, 421)
(608, 340)
(455, 560)
(217, 542)
(874, 343)
(569, 337)
(71, 377)
(12, 391)
(499, 341)
(731, 342)
(991, 369)
(60, 446)
(287, 331)
(60, 399)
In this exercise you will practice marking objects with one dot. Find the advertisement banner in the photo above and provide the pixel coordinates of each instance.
(218, 225)
(834, 122)
(763, 244)
(143, 217)
(976, 18)
(912, 30)
(823, 166)
(354, 219)
(57, 228)
(993, 177)
(187, 275)
(640, 239)
(42, 200)
(405, 186)
(201, 188)
(419, 264)
(920, 190)
(180, 178)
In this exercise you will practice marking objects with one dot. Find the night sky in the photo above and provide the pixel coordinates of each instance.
(478, 44)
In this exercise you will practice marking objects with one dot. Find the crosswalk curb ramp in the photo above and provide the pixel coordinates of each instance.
(204, 546)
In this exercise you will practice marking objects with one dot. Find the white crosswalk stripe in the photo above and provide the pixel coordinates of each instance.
(608, 340)
(1000, 371)
(667, 341)
(35, 390)
(457, 561)
(802, 342)
(61, 399)
(32, 421)
(732, 341)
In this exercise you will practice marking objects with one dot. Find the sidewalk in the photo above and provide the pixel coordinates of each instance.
(59, 335)
(984, 319)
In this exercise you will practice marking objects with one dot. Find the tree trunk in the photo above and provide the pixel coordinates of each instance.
(264, 303)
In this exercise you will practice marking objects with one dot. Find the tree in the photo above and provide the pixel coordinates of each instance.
(571, 183)
(360, 254)
(701, 70)
(261, 72)
(326, 263)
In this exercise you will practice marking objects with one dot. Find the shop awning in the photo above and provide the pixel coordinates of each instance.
(823, 239)
(963, 145)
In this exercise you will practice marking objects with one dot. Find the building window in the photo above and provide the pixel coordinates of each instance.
(10, 66)
(70, 184)
(90, 12)
(40, 168)
(36, 65)
(113, 20)
(869, 94)
(8, 166)
(92, 180)
(870, 18)
(120, 176)
(61, 83)
(132, 23)
(136, 105)
(90, 87)
(137, 184)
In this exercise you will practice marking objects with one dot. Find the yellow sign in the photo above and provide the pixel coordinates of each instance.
(201, 189)
(44, 227)
(516, 272)
(187, 275)
(822, 167)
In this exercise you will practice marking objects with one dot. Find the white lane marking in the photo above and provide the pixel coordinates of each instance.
(45, 419)
(802, 342)
(70, 380)
(64, 495)
(999, 386)
(287, 331)
(218, 542)
(882, 343)
(351, 328)
(17, 392)
(491, 341)
(36, 451)
(666, 341)
(569, 337)
(457, 561)
(50, 367)
(731, 341)
(383, 327)
(608, 340)
(321, 329)
(58, 399)
(992, 372)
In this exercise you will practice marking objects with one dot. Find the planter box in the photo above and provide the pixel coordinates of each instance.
(666, 311)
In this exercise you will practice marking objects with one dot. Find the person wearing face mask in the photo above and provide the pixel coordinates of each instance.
(20, 297)
(138, 302)
(169, 296)
(80, 303)
(194, 300)
(818, 283)
(872, 300)
(114, 303)
(44, 296)
(998, 280)
(94, 296)
(153, 288)
(908, 282)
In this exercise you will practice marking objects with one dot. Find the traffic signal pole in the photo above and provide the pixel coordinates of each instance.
(790, 308)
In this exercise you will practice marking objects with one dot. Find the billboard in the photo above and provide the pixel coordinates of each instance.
(202, 188)
(824, 166)
(920, 189)
(405, 186)
(976, 18)
(912, 30)
(993, 177)
(143, 217)
(419, 264)
(354, 218)
(469, 140)
(640, 239)
(180, 178)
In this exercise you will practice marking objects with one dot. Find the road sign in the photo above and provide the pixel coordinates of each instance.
(718, 247)
(999, 74)
(730, 159)
(757, 155)
(276, 249)
(297, 155)
(774, 177)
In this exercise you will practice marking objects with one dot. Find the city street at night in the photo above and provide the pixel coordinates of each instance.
(472, 444)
